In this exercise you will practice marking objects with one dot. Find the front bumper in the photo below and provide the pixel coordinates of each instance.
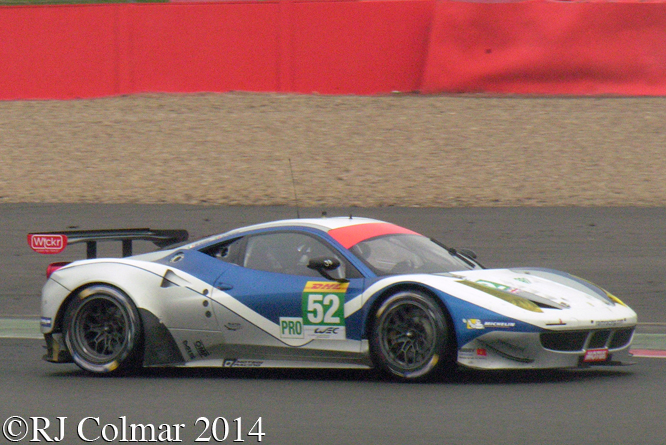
(548, 349)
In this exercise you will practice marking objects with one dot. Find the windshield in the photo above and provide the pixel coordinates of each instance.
(403, 254)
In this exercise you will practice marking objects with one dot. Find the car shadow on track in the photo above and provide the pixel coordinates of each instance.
(456, 377)
(536, 376)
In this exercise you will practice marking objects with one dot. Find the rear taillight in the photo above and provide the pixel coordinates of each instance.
(53, 267)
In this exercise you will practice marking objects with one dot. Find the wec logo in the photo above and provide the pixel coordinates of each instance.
(330, 330)
(47, 243)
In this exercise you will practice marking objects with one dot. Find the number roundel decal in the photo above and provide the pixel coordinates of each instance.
(323, 305)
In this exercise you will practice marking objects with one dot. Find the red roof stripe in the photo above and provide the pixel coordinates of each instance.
(351, 235)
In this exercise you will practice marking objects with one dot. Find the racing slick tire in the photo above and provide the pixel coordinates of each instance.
(410, 336)
(103, 330)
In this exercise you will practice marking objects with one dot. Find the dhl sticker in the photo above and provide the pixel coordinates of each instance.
(325, 286)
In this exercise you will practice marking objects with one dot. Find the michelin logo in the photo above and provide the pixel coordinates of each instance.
(475, 323)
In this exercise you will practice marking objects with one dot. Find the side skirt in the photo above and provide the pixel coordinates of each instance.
(159, 346)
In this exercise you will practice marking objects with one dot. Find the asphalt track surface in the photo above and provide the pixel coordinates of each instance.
(618, 248)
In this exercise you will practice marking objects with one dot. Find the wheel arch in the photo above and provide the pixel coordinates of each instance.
(116, 326)
(157, 345)
(62, 310)
(128, 279)
(405, 286)
(80, 288)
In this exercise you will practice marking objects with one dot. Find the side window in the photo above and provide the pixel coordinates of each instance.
(227, 251)
(288, 253)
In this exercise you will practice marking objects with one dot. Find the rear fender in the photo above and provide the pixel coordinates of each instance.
(177, 299)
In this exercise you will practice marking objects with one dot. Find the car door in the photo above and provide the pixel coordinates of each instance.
(274, 305)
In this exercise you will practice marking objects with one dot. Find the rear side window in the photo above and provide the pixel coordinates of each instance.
(228, 251)
(290, 253)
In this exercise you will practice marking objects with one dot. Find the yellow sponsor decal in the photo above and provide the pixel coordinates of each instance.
(614, 298)
(516, 300)
(474, 323)
(326, 286)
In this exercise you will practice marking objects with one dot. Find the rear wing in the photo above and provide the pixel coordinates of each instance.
(55, 242)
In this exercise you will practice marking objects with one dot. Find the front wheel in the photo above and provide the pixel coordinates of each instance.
(103, 330)
(410, 336)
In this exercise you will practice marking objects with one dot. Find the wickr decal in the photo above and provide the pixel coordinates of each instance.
(47, 243)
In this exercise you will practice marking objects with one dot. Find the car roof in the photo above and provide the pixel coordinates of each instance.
(324, 224)
(347, 230)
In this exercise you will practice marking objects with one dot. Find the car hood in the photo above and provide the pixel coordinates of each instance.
(551, 290)
(543, 297)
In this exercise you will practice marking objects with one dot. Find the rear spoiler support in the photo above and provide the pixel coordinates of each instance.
(55, 242)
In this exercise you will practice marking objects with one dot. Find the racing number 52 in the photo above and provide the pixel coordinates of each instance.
(322, 309)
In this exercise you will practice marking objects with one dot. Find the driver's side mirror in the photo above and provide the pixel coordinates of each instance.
(325, 264)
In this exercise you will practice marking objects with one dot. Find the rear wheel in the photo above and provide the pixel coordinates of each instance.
(103, 330)
(410, 336)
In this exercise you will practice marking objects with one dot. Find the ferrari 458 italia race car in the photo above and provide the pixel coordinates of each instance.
(342, 292)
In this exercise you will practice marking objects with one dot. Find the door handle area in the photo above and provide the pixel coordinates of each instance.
(223, 286)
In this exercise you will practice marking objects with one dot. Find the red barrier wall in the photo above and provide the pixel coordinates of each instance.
(333, 47)
(58, 52)
(66, 52)
(204, 47)
(548, 48)
(358, 47)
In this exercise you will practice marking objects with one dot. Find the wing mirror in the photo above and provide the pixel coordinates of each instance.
(325, 264)
(468, 256)
(468, 253)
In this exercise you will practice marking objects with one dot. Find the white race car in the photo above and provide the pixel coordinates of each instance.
(342, 292)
